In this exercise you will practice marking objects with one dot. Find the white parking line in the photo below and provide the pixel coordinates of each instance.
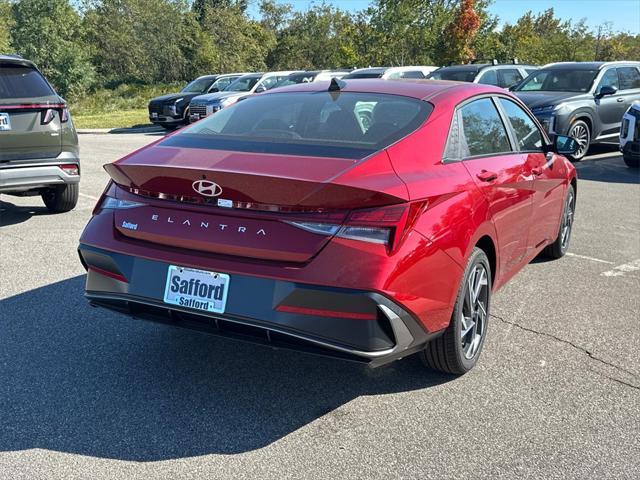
(569, 254)
(90, 197)
(621, 270)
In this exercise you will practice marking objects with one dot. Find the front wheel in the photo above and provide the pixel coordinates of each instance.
(61, 198)
(457, 350)
(561, 244)
(632, 162)
(580, 131)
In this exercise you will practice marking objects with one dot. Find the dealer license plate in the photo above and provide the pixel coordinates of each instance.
(5, 122)
(197, 289)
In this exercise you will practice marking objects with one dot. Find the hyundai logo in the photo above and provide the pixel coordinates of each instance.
(207, 188)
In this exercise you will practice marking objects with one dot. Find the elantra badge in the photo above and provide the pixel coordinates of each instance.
(207, 188)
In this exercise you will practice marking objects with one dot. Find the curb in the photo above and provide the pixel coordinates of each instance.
(104, 131)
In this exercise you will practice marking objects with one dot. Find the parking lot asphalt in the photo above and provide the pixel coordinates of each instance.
(85, 393)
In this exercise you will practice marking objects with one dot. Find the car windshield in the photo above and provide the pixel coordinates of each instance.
(17, 81)
(456, 75)
(199, 85)
(346, 125)
(558, 80)
(242, 84)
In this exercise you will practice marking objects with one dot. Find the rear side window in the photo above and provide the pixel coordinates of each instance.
(454, 75)
(348, 124)
(509, 77)
(489, 78)
(527, 133)
(629, 78)
(22, 82)
(483, 132)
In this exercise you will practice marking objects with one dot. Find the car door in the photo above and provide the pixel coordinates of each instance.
(629, 91)
(610, 108)
(547, 171)
(500, 174)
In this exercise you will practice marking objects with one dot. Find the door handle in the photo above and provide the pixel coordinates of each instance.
(620, 99)
(536, 171)
(486, 176)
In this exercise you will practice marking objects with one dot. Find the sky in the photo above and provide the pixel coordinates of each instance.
(623, 14)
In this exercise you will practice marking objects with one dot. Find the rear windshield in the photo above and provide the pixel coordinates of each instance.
(17, 81)
(454, 75)
(356, 75)
(347, 125)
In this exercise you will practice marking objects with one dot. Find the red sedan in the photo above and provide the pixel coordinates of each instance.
(365, 219)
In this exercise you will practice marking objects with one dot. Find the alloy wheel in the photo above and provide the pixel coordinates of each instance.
(567, 221)
(473, 319)
(581, 133)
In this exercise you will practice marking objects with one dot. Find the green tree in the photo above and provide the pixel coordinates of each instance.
(6, 21)
(201, 7)
(143, 40)
(321, 37)
(50, 33)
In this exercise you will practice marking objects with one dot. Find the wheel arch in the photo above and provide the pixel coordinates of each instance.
(487, 245)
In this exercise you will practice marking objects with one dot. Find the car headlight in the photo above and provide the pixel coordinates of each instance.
(178, 100)
(228, 101)
(544, 109)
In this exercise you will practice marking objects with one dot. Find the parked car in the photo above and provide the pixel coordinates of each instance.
(281, 220)
(310, 77)
(38, 143)
(391, 73)
(172, 110)
(630, 136)
(584, 100)
(204, 105)
(502, 75)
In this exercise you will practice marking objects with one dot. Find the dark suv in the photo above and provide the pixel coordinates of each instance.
(584, 100)
(503, 75)
(172, 110)
(38, 142)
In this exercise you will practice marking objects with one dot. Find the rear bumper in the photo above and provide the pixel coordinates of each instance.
(28, 175)
(135, 286)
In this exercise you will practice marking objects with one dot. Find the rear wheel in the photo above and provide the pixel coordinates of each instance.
(458, 349)
(631, 161)
(561, 244)
(580, 131)
(61, 198)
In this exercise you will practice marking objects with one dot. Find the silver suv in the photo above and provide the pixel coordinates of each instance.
(38, 142)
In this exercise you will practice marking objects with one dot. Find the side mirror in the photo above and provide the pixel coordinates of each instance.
(606, 90)
(261, 88)
(214, 90)
(564, 145)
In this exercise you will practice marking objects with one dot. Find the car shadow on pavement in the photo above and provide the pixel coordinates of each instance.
(610, 169)
(84, 380)
(11, 214)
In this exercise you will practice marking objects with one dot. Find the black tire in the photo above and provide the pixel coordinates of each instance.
(582, 133)
(561, 244)
(452, 352)
(62, 198)
(631, 161)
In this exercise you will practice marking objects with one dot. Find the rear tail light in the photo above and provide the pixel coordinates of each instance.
(64, 115)
(110, 203)
(70, 169)
(49, 114)
(385, 225)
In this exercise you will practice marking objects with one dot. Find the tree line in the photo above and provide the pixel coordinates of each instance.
(85, 44)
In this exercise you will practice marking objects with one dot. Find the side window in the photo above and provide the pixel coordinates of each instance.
(483, 132)
(508, 77)
(452, 150)
(221, 84)
(412, 74)
(527, 133)
(489, 78)
(610, 78)
(629, 78)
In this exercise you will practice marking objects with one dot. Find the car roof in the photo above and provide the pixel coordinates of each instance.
(419, 89)
(587, 65)
(16, 60)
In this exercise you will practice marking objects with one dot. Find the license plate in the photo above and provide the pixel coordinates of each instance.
(5, 122)
(197, 289)
(154, 114)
